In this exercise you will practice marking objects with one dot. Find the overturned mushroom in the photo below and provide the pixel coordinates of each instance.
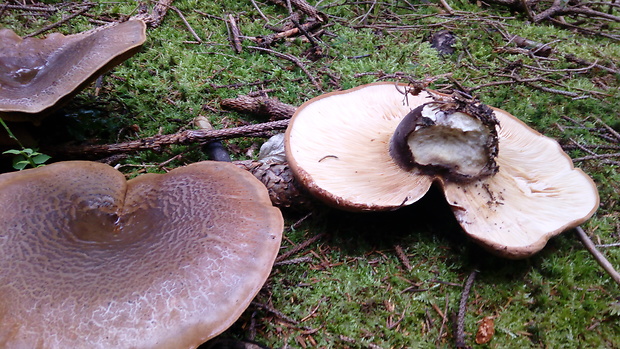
(37, 75)
(377, 148)
(88, 259)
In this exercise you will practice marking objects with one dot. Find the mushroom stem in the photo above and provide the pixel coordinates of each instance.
(454, 139)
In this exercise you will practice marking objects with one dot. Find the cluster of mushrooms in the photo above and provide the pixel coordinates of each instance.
(90, 259)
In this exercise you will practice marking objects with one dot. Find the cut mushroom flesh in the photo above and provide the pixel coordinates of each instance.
(455, 141)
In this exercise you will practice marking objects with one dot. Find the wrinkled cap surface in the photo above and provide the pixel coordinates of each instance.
(35, 74)
(338, 145)
(90, 260)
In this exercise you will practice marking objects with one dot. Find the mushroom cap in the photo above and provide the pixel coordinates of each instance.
(38, 74)
(88, 259)
(337, 145)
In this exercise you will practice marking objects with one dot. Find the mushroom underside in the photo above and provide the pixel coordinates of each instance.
(338, 146)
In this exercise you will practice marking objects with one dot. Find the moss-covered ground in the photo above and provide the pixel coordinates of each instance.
(349, 288)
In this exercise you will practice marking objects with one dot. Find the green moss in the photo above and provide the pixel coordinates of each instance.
(355, 291)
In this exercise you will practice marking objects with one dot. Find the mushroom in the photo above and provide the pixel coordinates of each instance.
(38, 75)
(88, 259)
(376, 147)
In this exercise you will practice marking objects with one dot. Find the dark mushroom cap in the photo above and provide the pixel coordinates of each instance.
(90, 260)
(36, 75)
(338, 146)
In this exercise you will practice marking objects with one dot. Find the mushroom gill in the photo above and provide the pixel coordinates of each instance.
(38, 75)
(88, 259)
(376, 147)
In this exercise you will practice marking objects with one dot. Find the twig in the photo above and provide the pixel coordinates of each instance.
(598, 256)
(261, 106)
(275, 312)
(29, 8)
(617, 244)
(189, 27)
(552, 90)
(610, 129)
(299, 221)
(259, 11)
(292, 59)
(265, 41)
(446, 6)
(59, 23)
(527, 9)
(444, 318)
(460, 322)
(597, 157)
(159, 141)
(402, 257)
(304, 7)
(550, 12)
(299, 247)
(235, 34)
(293, 261)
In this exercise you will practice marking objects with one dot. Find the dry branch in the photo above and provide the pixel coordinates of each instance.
(234, 34)
(62, 21)
(305, 28)
(584, 12)
(460, 322)
(304, 7)
(598, 256)
(158, 142)
(261, 106)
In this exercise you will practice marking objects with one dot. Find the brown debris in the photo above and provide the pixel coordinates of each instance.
(268, 40)
(486, 330)
(402, 257)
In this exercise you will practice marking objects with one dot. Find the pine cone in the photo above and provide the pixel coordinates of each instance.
(284, 190)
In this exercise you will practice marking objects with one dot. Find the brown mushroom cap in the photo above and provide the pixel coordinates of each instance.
(88, 259)
(337, 145)
(38, 74)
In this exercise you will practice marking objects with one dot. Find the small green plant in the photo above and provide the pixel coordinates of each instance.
(27, 156)
(24, 156)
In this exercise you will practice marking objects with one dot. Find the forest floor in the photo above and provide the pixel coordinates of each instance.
(381, 280)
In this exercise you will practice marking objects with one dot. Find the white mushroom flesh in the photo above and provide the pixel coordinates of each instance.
(455, 141)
